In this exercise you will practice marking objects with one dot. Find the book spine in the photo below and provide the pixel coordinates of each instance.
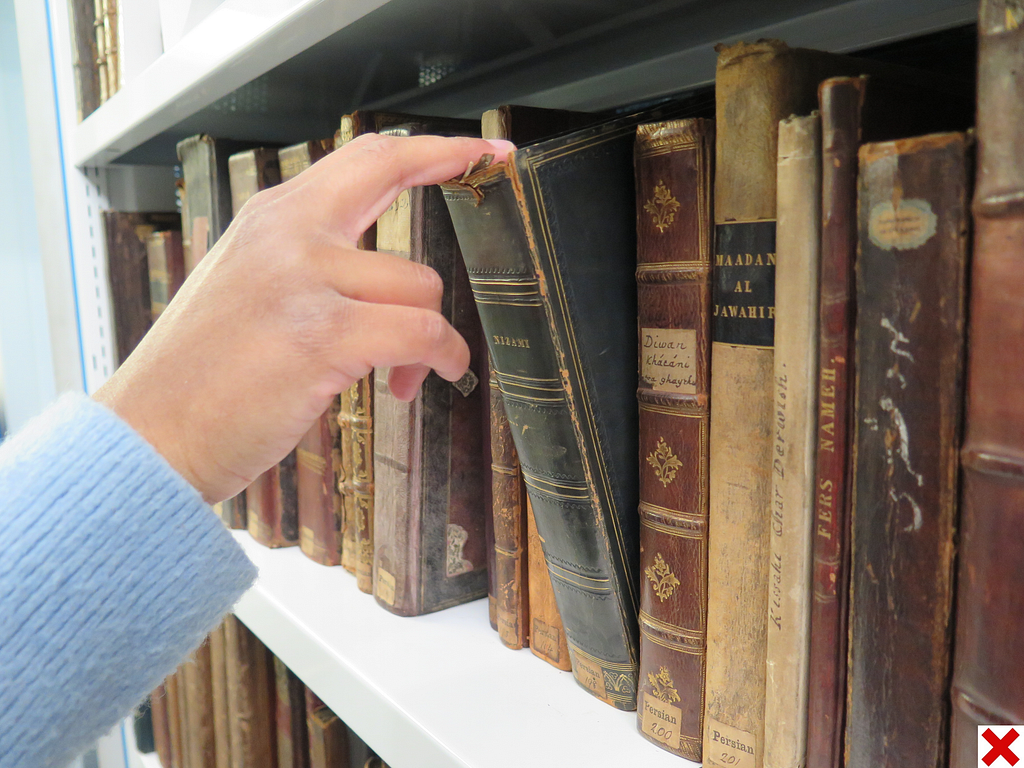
(547, 635)
(129, 277)
(161, 725)
(798, 239)
(911, 277)
(841, 101)
(318, 498)
(165, 259)
(201, 745)
(219, 688)
(988, 686)
(292, 739)
(99, 32)
(508, 492)
(250, 685)
(674, 172)
(174, 722)
(497, 251)
(328, 740)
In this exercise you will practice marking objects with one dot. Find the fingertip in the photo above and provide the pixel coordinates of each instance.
(405, 381)
(502, 148)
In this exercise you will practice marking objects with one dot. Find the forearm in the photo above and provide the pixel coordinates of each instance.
(112, 568)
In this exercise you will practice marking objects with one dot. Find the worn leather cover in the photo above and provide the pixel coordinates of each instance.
(911, 281)
(250, 684)
(520, 125)
(219, 688)
(290, 706)
(757, 85)
(547, 635)
(161, 726)
(198, 734)
(128, 267)
(798, 242)
(429, 474)
(550, 244)
(890, 103)
(988, 684)
(166, 261)
(81, 15)
(674, 175)
(328, 740)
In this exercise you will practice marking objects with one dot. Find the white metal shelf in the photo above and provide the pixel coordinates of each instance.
(239, 41)
(435, 691)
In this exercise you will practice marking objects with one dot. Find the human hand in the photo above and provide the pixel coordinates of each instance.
(285, 312)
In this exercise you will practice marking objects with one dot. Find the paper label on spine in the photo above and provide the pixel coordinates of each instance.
(668, 359)
(589, 675)
(545, 640)
(743, 285)
(728, 746)
(660, 720)
(905, 225)
(385, 586)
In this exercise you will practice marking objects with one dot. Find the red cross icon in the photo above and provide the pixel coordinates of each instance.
(1000, 747)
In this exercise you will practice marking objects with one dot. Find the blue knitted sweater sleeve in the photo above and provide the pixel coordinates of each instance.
(112, 569)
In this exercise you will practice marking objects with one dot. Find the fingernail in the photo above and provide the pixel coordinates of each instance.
(502, 148)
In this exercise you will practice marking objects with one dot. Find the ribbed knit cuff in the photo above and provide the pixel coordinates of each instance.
(112, 569)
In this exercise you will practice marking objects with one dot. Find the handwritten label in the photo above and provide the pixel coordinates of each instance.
(394, 227)
(908, 224)
(668, 359)
(589, 675)
(728, 746)
(385, 586)
(661, 721)
(545, 640)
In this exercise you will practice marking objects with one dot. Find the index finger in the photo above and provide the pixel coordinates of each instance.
(365, 176)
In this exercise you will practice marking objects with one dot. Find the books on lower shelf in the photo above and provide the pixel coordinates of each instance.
(720, 473)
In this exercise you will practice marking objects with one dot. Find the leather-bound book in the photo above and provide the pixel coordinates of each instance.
(199, 739)
(272, 513)
(429, 543)
(798, 257)
(756, 86)
(161, 725)
(174, 723)
(911, 279)
(520, 125)
(206, 214)
(166, 261)
(328, 740)
(988, 683)
(549, 238)
(128, 268)
(888, 105)
(547, 635)
(290, 703)
(81, 18)
(295, 159)
(250, 684)
(674, 176)
(219, 689)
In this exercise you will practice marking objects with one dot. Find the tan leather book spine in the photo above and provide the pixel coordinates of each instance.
(166, 263)
(201, 746)
(547, 636)
(988, 680)
(798, 258)
(161, 732)
(328, 740)
(219, 687)
(174, 722)
(250, 683)
(757, 85)
(911, 280)
(99, 31)
(674, 173)
(290, 703)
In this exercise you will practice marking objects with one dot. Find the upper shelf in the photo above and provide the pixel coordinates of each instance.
(435, 691)
(285, 70)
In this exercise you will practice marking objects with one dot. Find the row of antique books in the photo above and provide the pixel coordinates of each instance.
(94, 52)
(752, 330)
(234, 704)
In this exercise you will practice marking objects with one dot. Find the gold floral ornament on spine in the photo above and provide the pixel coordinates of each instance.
(662, 578)
(662, 207)
(662, 686)
(665, 462)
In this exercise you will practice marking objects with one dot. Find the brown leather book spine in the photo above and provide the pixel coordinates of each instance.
(492, 568)
(320, 510)
(82, 14)
(547, 635)
(250, 684)
(674, 173)
(166, 261)
(173, 695)
(161, 726)
(219, 688)
(200, 740)
(911, 280)
(290, 701)
(988, 683)
(328, 740)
